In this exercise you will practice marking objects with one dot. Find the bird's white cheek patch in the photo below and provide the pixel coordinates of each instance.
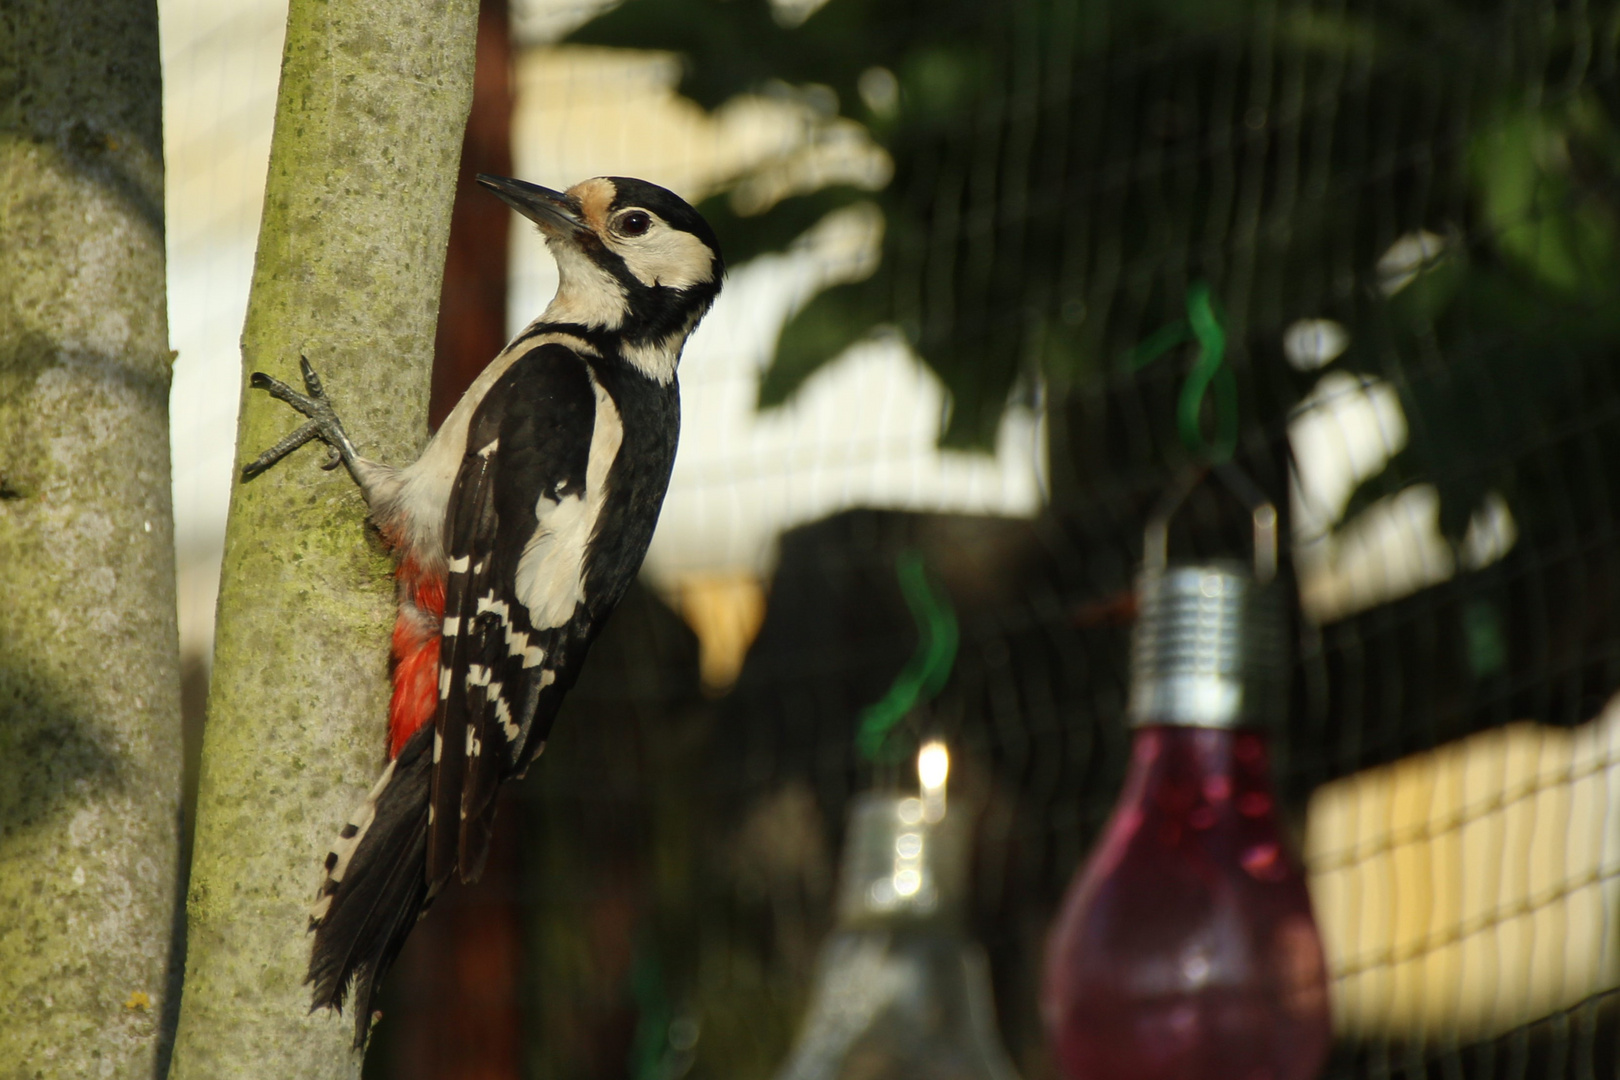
(669, 257)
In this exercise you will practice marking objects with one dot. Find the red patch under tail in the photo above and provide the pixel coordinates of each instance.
(416, 653)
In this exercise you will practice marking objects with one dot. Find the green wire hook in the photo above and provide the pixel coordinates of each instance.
(925, 673)
(1202, 324)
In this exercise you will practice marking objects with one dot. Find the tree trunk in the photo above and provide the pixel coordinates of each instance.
(374, 97)
(89, 655)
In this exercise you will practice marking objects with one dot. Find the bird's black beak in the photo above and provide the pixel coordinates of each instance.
(554, 211)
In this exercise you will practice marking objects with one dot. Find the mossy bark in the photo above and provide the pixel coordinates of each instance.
(89, 656)
(373, 101)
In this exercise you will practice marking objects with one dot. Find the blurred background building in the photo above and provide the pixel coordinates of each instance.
(967, 245)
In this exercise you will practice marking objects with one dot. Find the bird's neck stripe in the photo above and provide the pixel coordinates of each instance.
(546, 332)
(657, 358)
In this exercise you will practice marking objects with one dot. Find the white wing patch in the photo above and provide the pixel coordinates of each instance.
(550, 574)
(550, 578)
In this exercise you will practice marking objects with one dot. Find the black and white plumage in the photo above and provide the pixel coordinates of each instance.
(516, 532)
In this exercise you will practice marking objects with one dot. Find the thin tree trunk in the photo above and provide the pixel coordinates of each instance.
(374, 97)
(89, 655)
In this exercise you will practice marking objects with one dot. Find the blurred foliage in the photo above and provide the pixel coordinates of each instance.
(1066, 174)
(1064, 169)
(1509, 334)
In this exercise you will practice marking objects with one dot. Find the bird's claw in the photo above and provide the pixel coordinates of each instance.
(323, 422)
(312, 381)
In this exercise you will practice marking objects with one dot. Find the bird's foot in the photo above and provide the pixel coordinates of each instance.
(323, 423)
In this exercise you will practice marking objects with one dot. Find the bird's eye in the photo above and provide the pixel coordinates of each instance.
(634, 223)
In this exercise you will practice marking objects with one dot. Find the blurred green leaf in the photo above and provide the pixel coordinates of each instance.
(1546, 184)
(830, 323)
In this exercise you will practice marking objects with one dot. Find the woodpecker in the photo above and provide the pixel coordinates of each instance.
(515, 534)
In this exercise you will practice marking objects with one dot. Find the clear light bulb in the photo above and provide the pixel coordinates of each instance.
(901, 992)
(1186, 947)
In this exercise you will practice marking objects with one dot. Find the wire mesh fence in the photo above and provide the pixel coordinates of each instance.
(1370, 250)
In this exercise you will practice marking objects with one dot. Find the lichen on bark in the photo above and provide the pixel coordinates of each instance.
(89, 655)
(373, 101)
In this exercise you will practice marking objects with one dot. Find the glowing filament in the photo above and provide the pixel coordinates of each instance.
(933, 767)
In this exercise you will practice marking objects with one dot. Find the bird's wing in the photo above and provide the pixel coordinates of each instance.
(515, 534)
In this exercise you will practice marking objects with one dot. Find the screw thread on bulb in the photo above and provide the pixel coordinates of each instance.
(1209, 648)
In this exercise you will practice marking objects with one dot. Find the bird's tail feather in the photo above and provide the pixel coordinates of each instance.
(375, 886)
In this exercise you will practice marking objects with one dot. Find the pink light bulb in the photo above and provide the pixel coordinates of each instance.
(1186, 948)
